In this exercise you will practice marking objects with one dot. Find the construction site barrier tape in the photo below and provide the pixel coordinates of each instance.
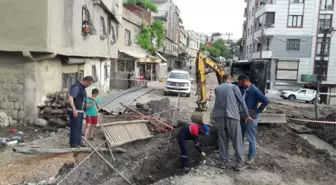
(313, 121)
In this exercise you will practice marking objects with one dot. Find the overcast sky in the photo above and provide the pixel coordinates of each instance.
(208, 16)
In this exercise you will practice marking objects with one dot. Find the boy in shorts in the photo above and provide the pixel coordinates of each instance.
(91, 113)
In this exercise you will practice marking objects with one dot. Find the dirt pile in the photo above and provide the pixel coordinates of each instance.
(283, 158)
(326, 132)
(144, 162)
(158, 108)
(53, 108)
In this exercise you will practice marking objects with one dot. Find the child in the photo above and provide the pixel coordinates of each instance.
(190, 132)
(91, 113)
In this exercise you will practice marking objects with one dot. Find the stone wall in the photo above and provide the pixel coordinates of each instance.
(12, 84)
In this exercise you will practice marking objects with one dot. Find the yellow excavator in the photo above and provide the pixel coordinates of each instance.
(256, 70)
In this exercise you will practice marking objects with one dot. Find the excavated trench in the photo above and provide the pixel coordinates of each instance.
(145, 162)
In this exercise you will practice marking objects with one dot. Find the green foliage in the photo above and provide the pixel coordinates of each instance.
(151, 37)
(145, 3)
(221, 48)
(214, 52)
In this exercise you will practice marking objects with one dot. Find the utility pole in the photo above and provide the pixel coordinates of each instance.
(319, 74)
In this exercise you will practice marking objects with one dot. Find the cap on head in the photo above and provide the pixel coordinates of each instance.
(206, 129)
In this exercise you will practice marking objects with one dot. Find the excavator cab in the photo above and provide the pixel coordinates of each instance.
(255, 70)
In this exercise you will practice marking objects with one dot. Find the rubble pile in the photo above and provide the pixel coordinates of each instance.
(158, 108)
(53, 109)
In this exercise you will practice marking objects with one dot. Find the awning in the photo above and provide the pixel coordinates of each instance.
(135, 54)
(141, 56)
(160, 56)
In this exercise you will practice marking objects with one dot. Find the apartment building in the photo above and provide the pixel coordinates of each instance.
(48, 45)
(183, 38)
(169, 13)
(286, 33)
(193, 45)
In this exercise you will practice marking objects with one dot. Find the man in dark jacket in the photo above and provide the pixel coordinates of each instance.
(253, 97)
(129, 77)
(190, 132)
(76, 109)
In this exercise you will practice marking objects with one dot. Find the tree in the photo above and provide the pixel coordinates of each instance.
(152, 36)
(146, 4)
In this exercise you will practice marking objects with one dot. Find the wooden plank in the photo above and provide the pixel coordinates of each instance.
(124, 122)
(129, 141)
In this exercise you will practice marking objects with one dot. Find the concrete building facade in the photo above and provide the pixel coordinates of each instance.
(286, 33)
(169, 13)
(47, 45)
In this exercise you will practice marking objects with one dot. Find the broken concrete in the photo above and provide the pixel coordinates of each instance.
(4, 121)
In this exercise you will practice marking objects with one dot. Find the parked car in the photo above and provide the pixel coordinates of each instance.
(307, 95)
(178, 81)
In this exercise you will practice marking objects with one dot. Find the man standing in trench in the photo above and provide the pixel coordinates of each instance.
(252, 96)
(76, 109)
(226, 114)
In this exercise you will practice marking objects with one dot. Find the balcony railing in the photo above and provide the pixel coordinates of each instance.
(329, 7)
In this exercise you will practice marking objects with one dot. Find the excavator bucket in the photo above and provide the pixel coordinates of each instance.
(272, 118)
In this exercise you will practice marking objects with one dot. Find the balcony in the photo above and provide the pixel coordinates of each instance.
(268, 31)
(266, 6)
(265, 54)
(327, 8)
(162, 15)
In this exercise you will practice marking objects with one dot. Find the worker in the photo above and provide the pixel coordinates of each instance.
(129, 78)
(252, 96)
(226, 115)
(190, 132)
(76, 109)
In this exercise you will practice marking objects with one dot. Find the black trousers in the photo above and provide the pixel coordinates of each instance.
(129, 83)
(184, 151)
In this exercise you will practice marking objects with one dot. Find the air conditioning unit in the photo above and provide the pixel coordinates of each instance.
(96, 2)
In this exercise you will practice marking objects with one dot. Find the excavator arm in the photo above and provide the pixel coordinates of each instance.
(204, 60)
(202, 113)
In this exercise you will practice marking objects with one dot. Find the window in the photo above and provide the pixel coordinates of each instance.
(294, 21)
(127, 37)
(327, 5)
(318, 47)
(270, 18)
(302, 92)
(251, 30)
(321, 68)
(106, 72)
(251, 48)
(85, 14)
(103, 33)
(267, 44)
(94, 73)
(249, 15)
(113, 35)
(248, 32)
(121, 65)
(297, 1)
(293, 45)
(325, 21)
(253, 11)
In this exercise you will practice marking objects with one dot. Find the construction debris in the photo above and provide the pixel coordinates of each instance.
(39, 151)
(119, 133)
(152, 120)
(112, 105)
(53, 109)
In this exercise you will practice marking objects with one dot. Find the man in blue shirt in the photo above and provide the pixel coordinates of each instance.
(76, 109)
(253, 96)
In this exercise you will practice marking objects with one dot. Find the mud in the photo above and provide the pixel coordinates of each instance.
(145, 162)
(282, 158)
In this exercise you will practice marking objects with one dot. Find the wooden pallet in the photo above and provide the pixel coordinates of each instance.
(122, 132)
